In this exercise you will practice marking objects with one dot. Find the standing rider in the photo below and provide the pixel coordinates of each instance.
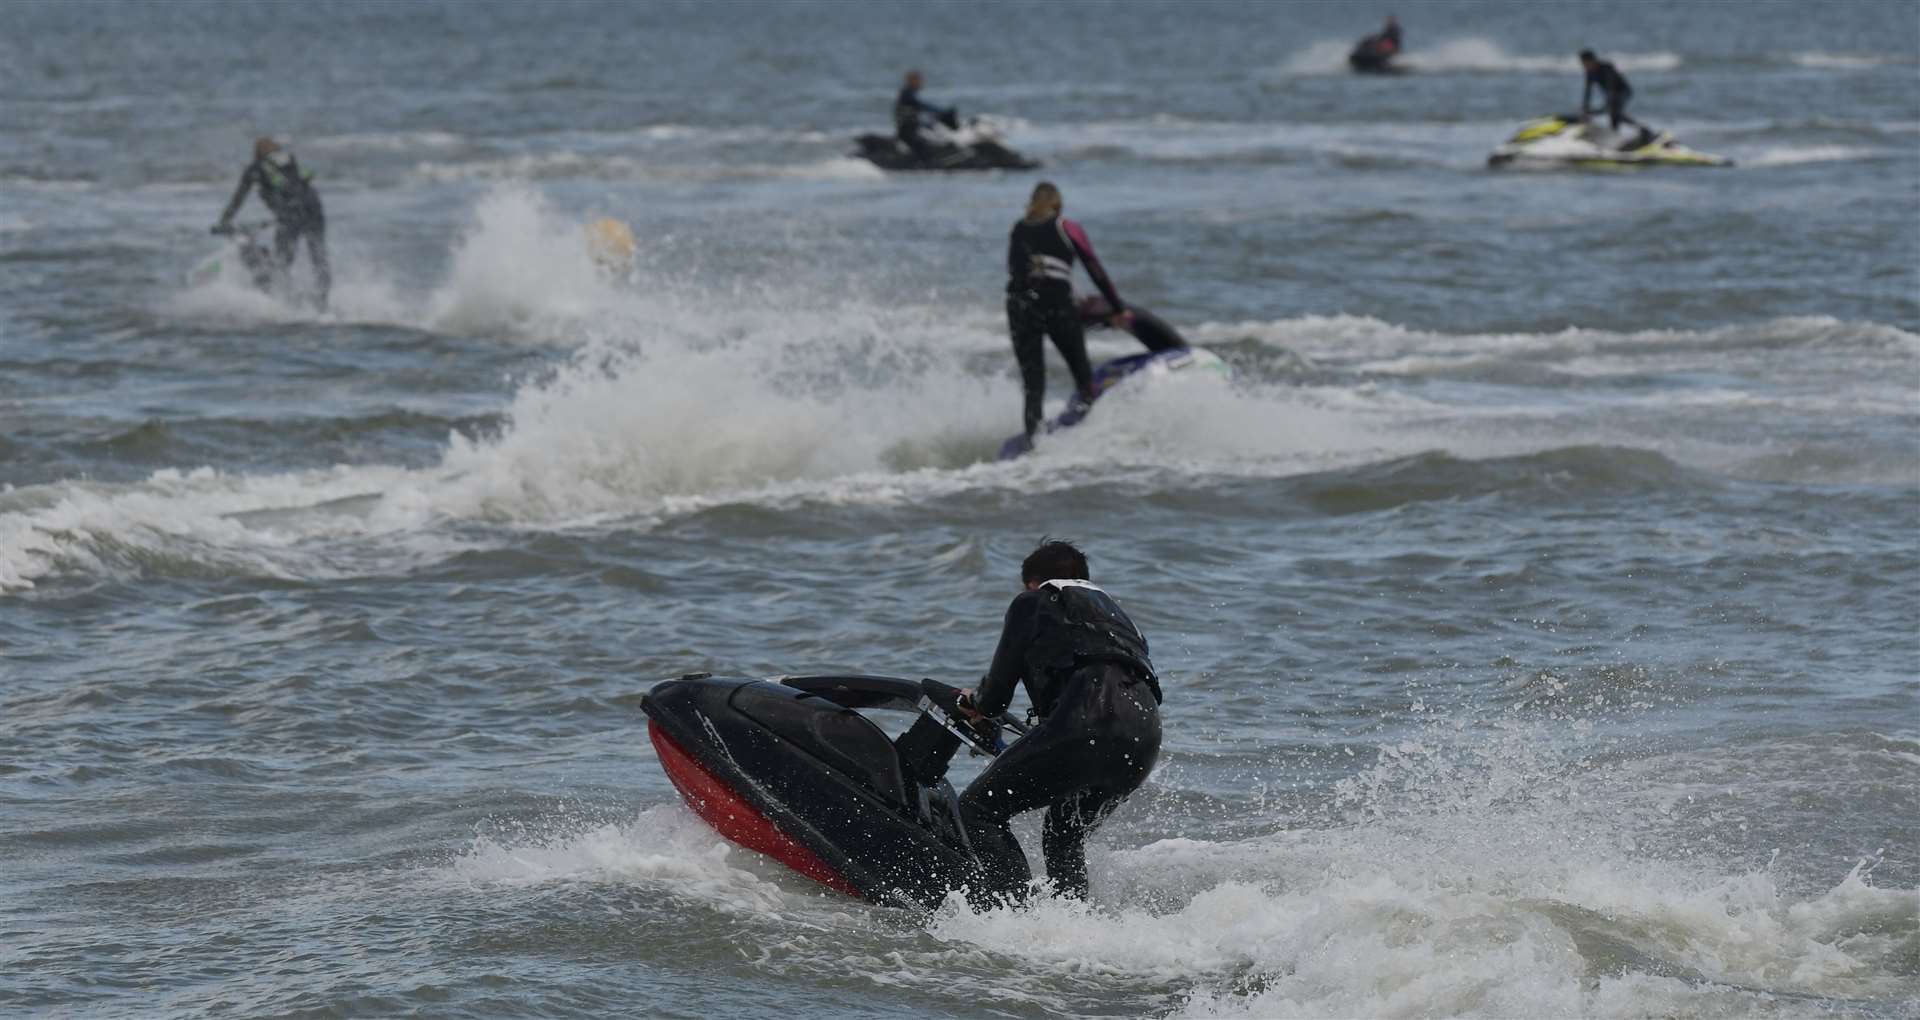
(1087, 673)
(1613, 88)
(1040, 254)
(289, 193)
(910, 113)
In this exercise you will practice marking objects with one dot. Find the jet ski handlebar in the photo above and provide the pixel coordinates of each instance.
(938, 701)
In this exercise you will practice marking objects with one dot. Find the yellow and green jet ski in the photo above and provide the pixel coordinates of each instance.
(1572, 142)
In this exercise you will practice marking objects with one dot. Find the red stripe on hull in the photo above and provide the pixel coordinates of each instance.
(733, 817)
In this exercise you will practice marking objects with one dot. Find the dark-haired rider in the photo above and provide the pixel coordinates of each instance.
(1153, 332)
(1096, 695)
(911, 113)
(289, 194)
(1613, 88)
(1041, 251)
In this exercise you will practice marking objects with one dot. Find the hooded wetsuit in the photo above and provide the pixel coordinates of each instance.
(1040, 257)
(1086, 669)
(1614, 88)
(288, 192)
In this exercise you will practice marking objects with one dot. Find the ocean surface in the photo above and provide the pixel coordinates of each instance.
(1538, 604)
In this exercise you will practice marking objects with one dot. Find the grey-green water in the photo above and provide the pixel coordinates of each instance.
(1538, 604)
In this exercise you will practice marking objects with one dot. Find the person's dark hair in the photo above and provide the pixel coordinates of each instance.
(1053, 560)
(1585, 55)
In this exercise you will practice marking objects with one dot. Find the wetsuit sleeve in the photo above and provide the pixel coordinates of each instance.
(239, 193)
(1081, 244)
(1010, 657)
(1586, 93)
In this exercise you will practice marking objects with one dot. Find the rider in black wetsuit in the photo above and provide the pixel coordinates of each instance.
(1373, 52)
(289, 193)
(1613, 88)
(1154, 332)
(1040, 255)
(910, 113)
(1086, 669)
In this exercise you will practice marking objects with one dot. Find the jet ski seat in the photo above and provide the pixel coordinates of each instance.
(843, 739)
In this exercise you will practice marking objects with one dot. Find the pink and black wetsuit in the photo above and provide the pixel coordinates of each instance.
(1040, 259)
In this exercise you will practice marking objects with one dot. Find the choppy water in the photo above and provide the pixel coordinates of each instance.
(1538, 604)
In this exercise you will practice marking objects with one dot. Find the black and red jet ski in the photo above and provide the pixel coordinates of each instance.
(790, 768)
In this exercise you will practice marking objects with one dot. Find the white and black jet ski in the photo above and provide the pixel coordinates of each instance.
(1571, 142)
(974, 145)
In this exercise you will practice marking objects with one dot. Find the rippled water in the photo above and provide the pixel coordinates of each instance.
(1538, 603)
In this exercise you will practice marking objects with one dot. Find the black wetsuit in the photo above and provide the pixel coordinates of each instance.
(1086, 669)
(1040, 258)
(1613, 86)
(289, 194)
(909, 113)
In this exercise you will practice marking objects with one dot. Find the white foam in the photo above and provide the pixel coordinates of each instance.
(533, 166)
(1487, 869)
(1473, 53)
(665, 846)
(677, 399)
(1843, 61)
(841, 168)
(1171, 137)
(1794, 155)
(386, 141)
(520, 266)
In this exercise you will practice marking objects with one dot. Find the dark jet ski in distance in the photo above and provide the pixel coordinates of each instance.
(972, 146)
(1374, 54)
(790, 768)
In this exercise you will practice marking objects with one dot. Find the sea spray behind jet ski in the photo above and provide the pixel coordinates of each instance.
(790, 768)
(1132, 370)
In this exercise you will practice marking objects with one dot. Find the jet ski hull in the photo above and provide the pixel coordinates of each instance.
(735, 817)
(1370, 62)
(889, 153)
(786, 770)
(1568, 143)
